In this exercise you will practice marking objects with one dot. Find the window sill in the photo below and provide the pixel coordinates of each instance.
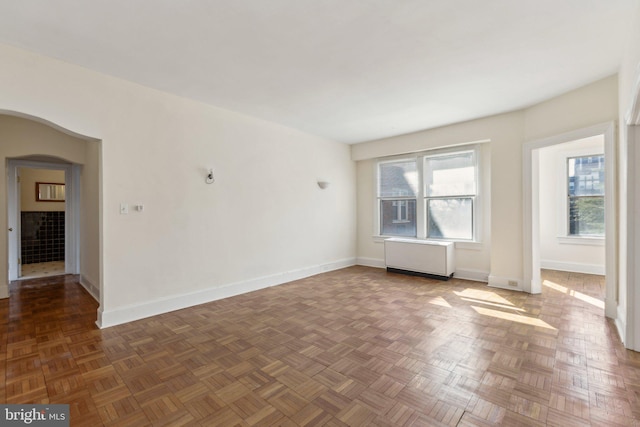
(585, 241)
(473, 246)
(381, 239)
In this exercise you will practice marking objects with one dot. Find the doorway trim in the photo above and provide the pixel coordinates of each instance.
(628, 326)
(628, 321)
(531, 238)
(72, 215)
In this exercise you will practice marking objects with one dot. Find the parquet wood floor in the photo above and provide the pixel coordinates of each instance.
(355, 347)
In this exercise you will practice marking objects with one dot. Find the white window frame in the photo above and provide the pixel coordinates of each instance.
(421, 200)
(378, 199)
(568, 198)
(473, 197)
(563, 236)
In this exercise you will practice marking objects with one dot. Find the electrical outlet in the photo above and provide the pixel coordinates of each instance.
(512, 283)
(124, 208)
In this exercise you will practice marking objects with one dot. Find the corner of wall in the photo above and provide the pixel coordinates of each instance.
(370, 262)
(93, 290)
(509, 283)
(471, 274)
(4, 291)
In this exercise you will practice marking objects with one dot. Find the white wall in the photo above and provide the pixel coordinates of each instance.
(556, 251)
(583, 107)
(502, 259)
(28, 179)
(263, 221)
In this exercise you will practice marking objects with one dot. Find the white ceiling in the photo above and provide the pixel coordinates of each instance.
(348, 70)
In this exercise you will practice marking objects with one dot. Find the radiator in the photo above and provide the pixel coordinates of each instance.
(420, 256)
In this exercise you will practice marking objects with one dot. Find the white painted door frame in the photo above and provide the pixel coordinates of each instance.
(631, 327)
(13, 216)
(531, 238)
(72, 215)
(631, 318)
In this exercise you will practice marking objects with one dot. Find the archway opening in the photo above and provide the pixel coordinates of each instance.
(531, 172)
(27, 141)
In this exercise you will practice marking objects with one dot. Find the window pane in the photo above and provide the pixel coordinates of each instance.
(398, 218)
(450, 218)
(586, 216)
(586, 176)
(452, 175)
(398, 179)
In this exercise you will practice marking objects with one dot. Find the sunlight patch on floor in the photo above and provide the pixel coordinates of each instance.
(588, 299)
(487, 296)
(493, 304)
(440, 301)
(513, 317)
(576, 294)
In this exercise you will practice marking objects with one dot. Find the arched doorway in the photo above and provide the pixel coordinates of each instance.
(31, 141)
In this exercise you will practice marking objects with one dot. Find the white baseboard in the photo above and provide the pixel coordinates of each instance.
(90, 287)
(164, 305)
(371, 262)
(471, 274)
(575, 267)
(505, 283)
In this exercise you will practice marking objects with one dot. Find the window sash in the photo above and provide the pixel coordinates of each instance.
(402, 178)
(389, 223)
(446, 225)
(586, 220)
(450, 174)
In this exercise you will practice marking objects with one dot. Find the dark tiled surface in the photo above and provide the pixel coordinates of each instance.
(42, 237)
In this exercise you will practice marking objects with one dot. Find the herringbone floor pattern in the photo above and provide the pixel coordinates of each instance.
(356, 347)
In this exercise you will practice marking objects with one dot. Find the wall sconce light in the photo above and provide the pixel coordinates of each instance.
(323, 184)
(209, 179)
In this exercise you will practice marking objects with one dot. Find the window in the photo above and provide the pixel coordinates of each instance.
(450, 191)
(585, 193)
(446, 186)
(402, 213)
(397, 193)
